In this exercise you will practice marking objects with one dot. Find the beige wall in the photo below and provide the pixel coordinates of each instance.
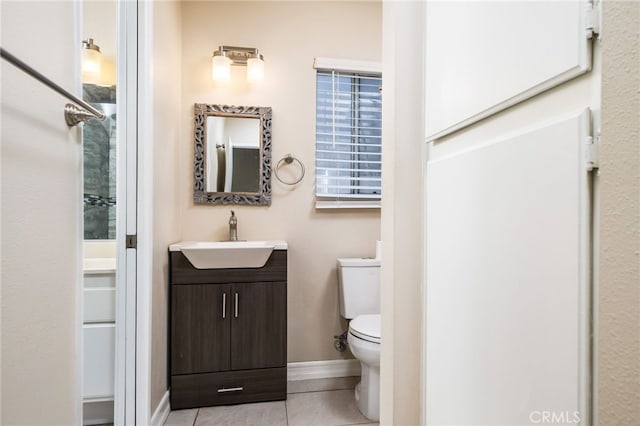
(618, 330)
(167, 133)
(290, 35)
(402, 213)
(41, 219)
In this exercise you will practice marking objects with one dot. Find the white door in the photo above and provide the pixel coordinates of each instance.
(508, 202)
(41, 217)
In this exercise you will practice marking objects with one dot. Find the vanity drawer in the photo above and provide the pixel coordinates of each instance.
(99, 360)
(99, 304)
(228, 387)
(93, 280)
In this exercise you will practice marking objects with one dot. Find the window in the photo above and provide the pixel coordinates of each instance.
(348, 137)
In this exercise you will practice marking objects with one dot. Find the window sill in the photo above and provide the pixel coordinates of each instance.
(348, 204)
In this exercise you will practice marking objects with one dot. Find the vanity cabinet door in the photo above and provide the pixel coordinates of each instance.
(200, 328)
(259, 325)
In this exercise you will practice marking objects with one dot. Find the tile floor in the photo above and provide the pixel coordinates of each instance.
(322, 402)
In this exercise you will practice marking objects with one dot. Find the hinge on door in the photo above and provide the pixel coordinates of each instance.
(132, 241)
(592, 152)
(592, 19)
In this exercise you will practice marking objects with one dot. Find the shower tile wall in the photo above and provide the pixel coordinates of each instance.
(99, 142)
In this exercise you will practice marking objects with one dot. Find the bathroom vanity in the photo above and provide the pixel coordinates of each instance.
(228, 328)
(99, 331)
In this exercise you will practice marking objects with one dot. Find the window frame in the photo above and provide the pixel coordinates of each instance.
(347, 66)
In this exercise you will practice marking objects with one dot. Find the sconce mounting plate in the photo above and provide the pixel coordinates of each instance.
(238, 55)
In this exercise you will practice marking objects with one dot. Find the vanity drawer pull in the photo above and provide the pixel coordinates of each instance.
(224, 305)
(238, 389)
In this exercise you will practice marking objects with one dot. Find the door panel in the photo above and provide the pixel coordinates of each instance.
(99, 350)
(507, 279)
(200, 328)
(40, 218)
(483, 57)
(258, 331)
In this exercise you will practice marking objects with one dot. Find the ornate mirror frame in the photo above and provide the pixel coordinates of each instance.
(200, 195)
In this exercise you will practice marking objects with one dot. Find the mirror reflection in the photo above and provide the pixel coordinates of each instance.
(99, 165)
(233, 154)
(232, 163)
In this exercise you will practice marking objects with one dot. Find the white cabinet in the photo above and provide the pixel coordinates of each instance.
(98, 343)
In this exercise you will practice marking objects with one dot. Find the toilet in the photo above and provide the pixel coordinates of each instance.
(359, 282)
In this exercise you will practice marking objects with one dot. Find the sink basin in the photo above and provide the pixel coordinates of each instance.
(228, 254)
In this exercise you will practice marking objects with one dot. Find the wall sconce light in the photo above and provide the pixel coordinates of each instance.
(91, 60)
(226, 56)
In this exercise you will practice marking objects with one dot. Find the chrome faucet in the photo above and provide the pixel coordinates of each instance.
(233, 227)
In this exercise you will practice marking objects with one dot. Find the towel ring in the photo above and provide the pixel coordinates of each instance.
(288, 159)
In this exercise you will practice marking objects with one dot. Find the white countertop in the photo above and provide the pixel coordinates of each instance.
(99, 265)
(277, 244)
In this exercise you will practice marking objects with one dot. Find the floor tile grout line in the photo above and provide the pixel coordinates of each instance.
(195, 419)
(286, 412)
(319, 390)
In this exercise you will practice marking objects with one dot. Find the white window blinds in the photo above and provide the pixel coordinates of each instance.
(348, 135)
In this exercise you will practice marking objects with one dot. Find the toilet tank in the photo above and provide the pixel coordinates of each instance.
(359, 282)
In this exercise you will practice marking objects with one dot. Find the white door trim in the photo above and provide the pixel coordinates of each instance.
(145, 210)
(79, 338)
(126, 389)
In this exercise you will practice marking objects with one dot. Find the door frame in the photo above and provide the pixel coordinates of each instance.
(144, 214)
(125, 382)
(135, 178)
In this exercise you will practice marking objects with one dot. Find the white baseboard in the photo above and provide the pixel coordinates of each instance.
(162, 412)
(323, 369)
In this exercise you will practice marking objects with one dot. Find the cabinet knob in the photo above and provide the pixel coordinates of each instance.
(236, 304)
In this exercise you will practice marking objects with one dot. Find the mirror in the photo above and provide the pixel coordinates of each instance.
(232, 155)
(99, 164)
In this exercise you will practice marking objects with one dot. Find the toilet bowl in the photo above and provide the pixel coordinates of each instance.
(364, 342)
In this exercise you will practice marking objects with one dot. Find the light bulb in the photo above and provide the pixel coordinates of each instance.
(255, 70)
(91, 62)
(221, 68)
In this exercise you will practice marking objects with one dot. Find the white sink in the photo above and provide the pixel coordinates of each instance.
(228, 254)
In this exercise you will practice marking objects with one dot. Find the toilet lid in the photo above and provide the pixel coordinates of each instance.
(366, 327)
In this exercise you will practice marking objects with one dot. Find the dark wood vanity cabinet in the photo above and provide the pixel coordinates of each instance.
(228, 334)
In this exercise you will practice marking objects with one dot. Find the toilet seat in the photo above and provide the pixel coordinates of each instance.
(366, 327)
